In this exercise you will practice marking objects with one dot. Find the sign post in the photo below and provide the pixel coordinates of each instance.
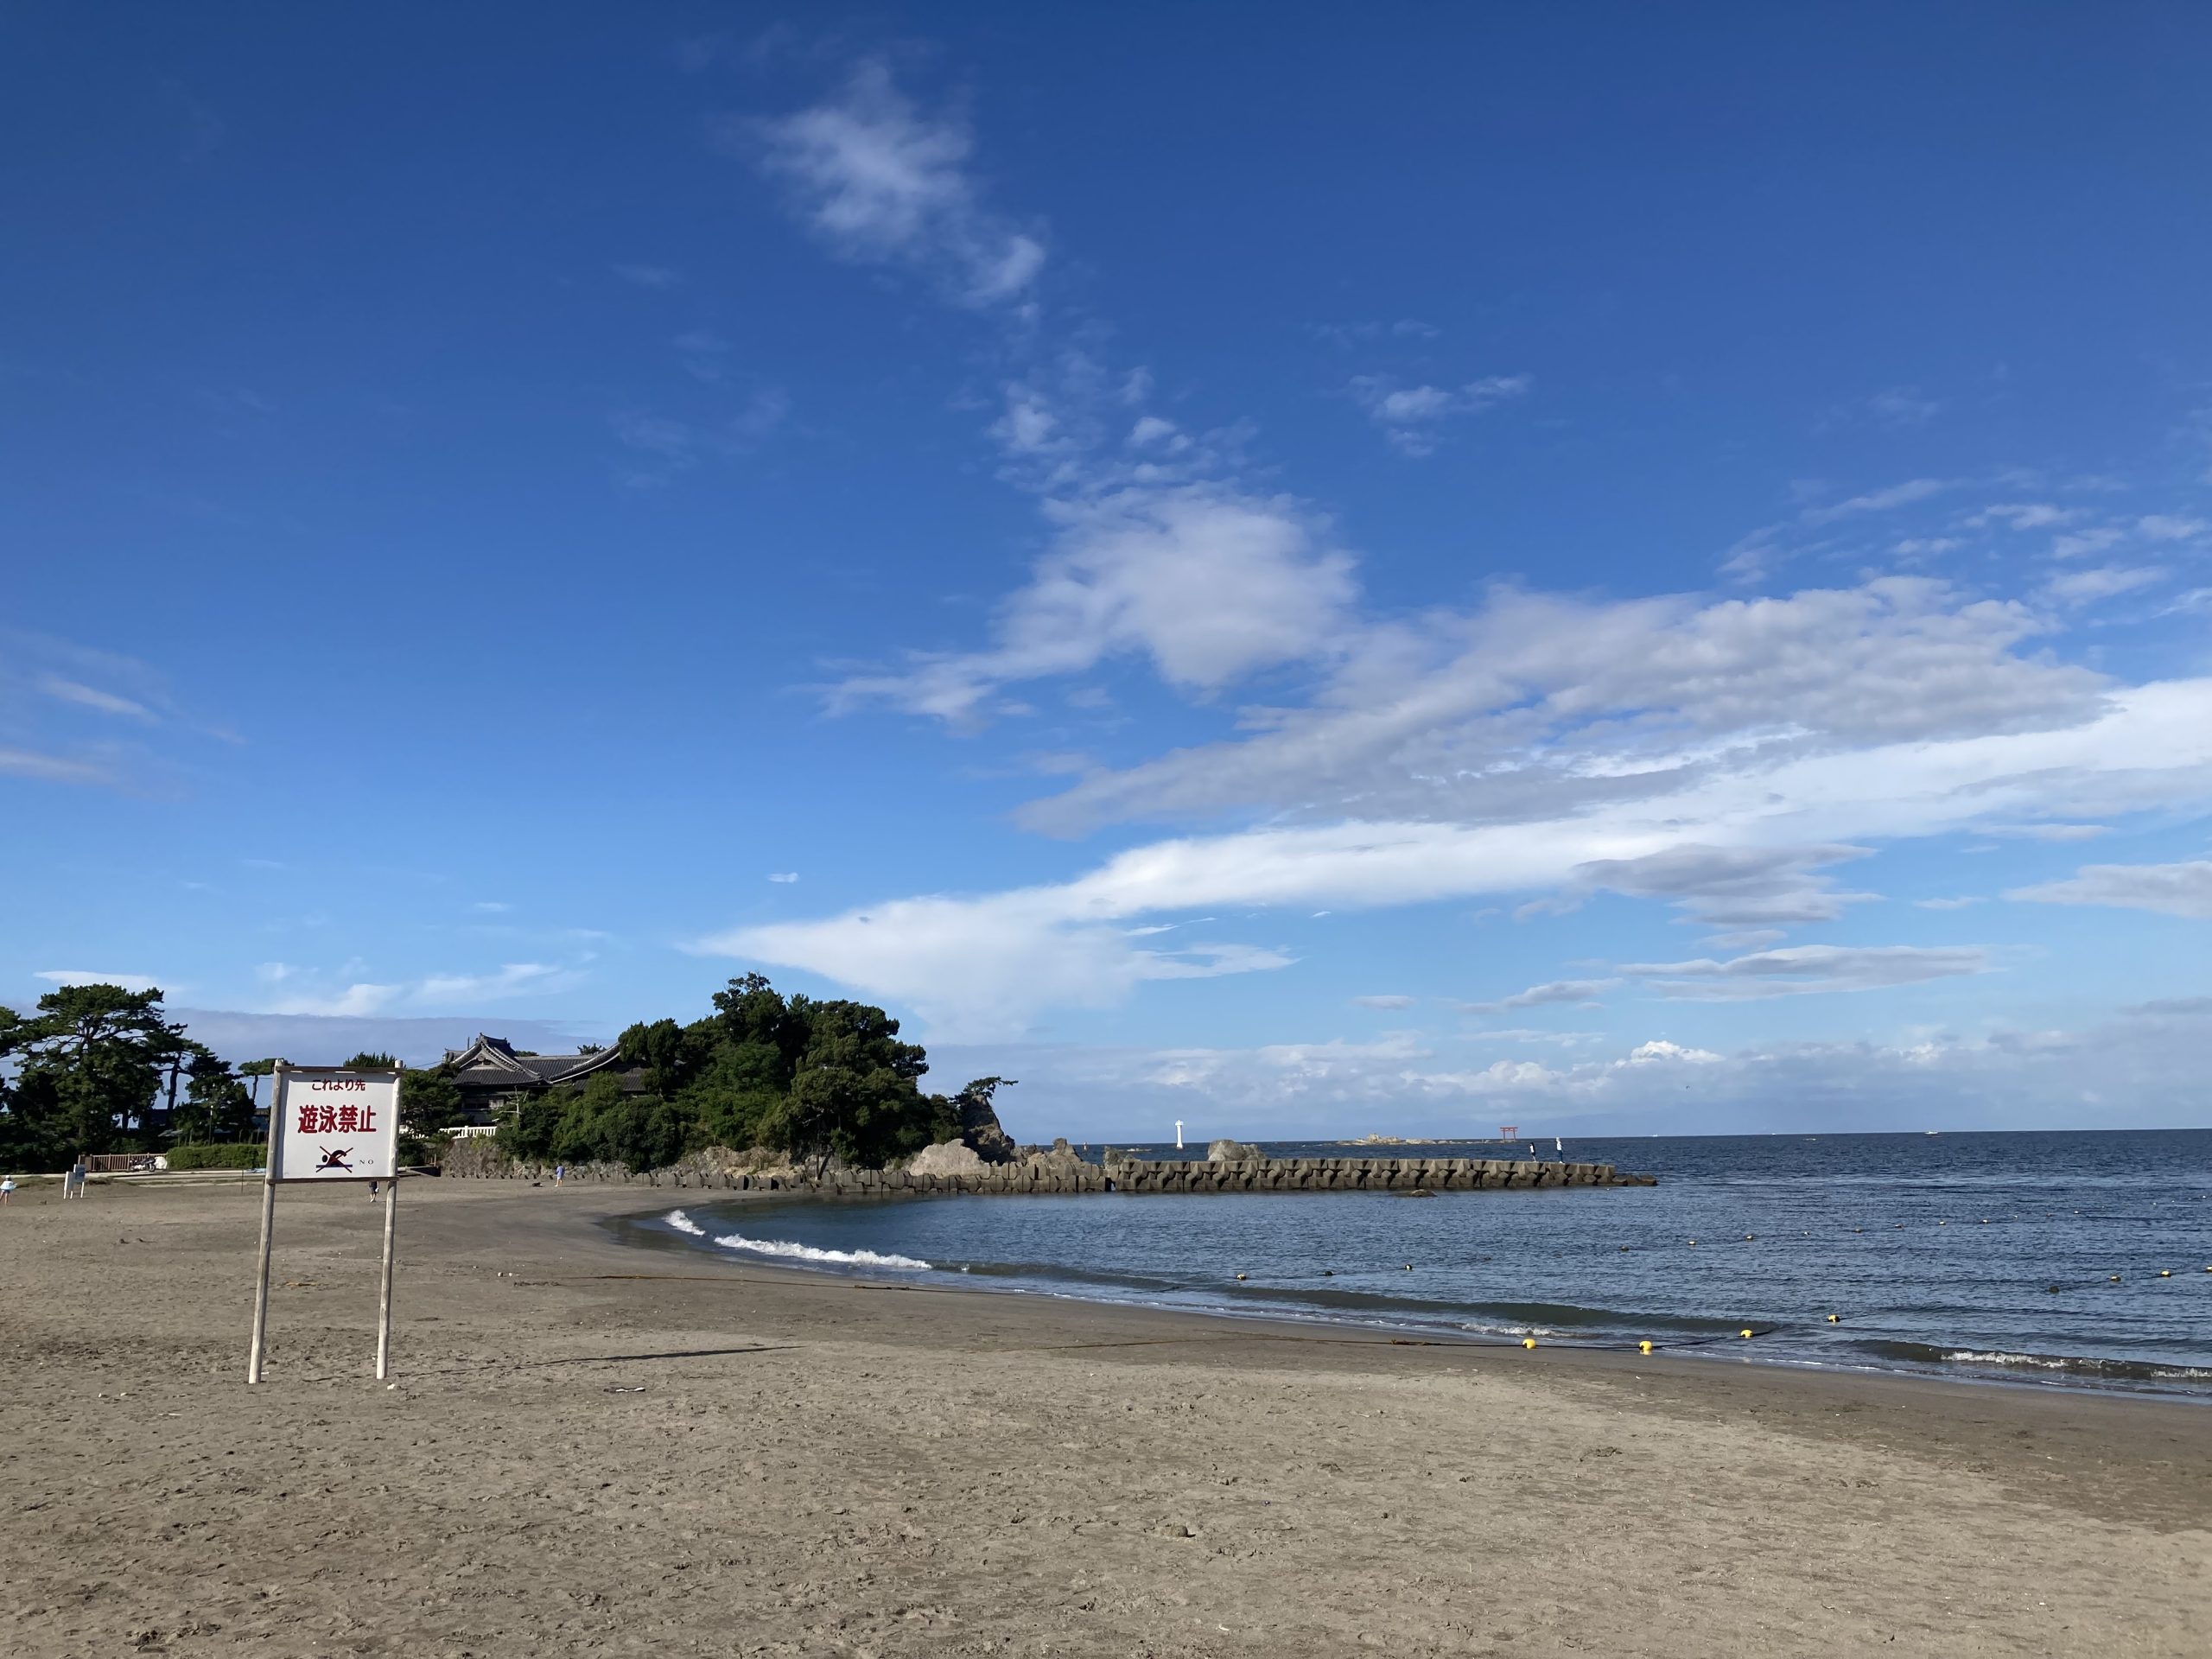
(330, 1124)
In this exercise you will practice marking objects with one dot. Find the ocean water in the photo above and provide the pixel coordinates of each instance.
(2031, 1257)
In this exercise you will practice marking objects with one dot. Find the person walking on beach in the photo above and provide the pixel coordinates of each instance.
(6, 1190)
(559, 1170)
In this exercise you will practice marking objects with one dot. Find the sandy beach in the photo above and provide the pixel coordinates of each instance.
(590, 1448)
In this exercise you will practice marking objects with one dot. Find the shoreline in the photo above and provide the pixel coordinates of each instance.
(583, 1455)
(2186, 1383)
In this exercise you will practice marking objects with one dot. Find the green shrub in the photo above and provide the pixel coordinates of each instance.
(251, 1154)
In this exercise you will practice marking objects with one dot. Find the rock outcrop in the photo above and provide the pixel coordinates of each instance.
(1231, 1152)
(980, 1130)
(946, 1158)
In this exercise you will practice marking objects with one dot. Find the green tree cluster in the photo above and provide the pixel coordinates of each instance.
(95, 1068)
(816, 1080)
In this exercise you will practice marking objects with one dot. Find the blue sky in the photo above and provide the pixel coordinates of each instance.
(1604, 571)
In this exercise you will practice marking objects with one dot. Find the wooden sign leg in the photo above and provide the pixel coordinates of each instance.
(384, 1299)
(261, 1283)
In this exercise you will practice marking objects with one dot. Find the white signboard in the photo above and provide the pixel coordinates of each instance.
(334, 1126)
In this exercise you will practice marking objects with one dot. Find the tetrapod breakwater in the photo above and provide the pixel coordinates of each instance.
(1048, 1173)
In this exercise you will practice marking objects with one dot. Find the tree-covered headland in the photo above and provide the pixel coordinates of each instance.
(101, 1069)
(814, 1080)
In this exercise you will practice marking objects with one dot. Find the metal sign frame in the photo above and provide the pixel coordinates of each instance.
(272, 1176)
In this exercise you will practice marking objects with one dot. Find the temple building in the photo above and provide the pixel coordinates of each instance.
(494, 1076)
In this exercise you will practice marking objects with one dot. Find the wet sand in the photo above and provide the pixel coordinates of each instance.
(590, 1448)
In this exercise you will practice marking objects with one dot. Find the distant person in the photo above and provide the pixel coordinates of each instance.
(559, 1170)
(372, 1191)
(6, 1190)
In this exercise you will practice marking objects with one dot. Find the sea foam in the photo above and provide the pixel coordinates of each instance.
(784, 1247)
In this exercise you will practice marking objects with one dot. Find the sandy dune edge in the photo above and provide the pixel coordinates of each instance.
(618, 1451)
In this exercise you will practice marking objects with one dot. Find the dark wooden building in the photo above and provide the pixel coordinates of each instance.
(492, 1077)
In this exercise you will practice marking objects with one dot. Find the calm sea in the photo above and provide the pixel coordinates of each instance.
(2032, 1257)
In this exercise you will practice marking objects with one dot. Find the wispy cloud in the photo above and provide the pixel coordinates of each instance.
(1411, 417)
(1390, 1001)
(1207, 583)
(1800, 969)
(87, 976)
(676, 446)
(54, 768)
(2023, 515)
(91, 697)
(316, 993)
(2182, 889)
(2104, 581)
(1885, 500)
(1572, 993)
(880, 180)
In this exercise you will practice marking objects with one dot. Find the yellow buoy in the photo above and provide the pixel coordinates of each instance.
(1746, 1333)
(2115, 1278)
(2165, 1273)
(1527, 1341)
(1693, 1246)
(1835, 1318)
(1747, 1238)
(1643, 1347)
(1240, 1278)
(1409, 1266)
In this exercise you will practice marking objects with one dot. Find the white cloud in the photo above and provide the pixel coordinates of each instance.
(2048, 831)
(1948, 903)
(2081, 544)
(1409, 415)
(2024, 515)
(2171, 527)
(1724, 886)
(54, 768)
(995, 960)
(316, 995)
(783, 875)
(2182, 889)
(1535, 704)
(91, 697)
(1209, 583)
(1897, 495)
(1576, 993)
(515, 979)
(331, 1038)
(86, 976)
(882, 182)
(1799, 970)
(2004, 1078)
(1903, 406)
(1659, 1052)
(1391, 1002)
(2105, 581)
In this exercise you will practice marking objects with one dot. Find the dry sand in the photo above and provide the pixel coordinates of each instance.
(595, 1449)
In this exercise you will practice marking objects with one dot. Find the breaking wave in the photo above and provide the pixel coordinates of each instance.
(790, 1251)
